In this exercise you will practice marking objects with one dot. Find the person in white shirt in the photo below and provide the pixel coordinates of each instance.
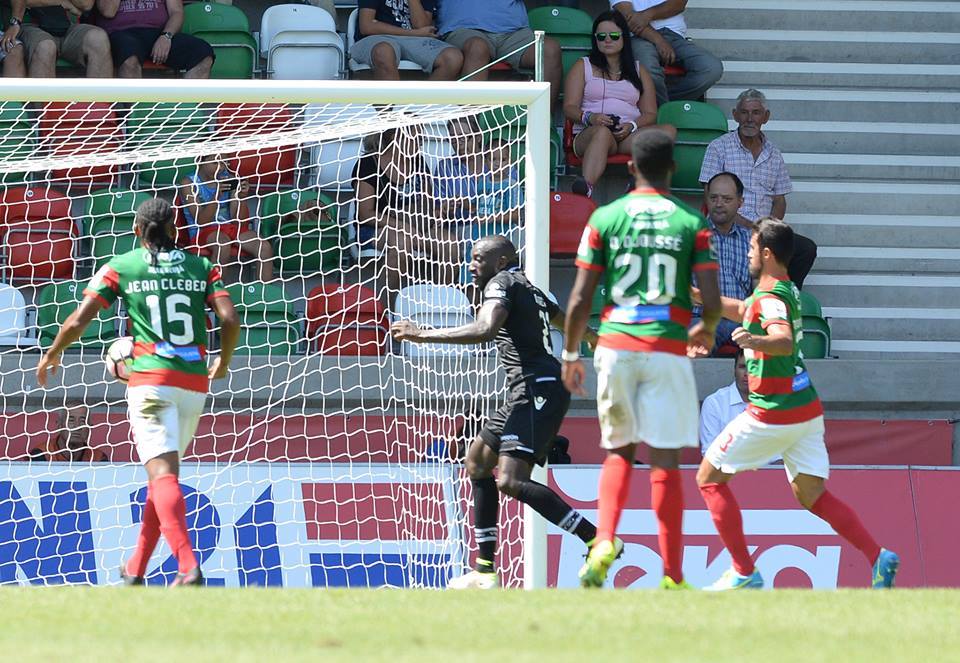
(723, 405)
(660, 39)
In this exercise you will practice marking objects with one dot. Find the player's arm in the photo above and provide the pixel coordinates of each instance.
(489, 320)
(777, 343)
(229, 334)
(559, 321)
(702, 335)
(575, 329)
(69, 333)
(730, 308)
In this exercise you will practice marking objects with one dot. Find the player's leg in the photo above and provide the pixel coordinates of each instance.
(480, 460)
(666, 500)
(807, 465)
(135, 568)
(189, 408)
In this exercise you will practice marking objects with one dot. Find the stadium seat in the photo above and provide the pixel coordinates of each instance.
(809, 305)
(267, 167)
(268, 325)
(571, 28)
(574, 160)
(13, 319)
(301, 42)
(333, 160)
(57, 301)
(303, 249)
(18, 139)
(815, 343)
(74, 129)
(697, 124)
(162, 127)
(569, 213)
(38, 234)
(346, 320)
(227, 30)
(431, 307)
(353, 65)
(109, 221)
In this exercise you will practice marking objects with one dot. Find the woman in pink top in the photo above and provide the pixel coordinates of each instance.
(608, 96)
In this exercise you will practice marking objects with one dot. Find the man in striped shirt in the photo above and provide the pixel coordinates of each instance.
(784, 416)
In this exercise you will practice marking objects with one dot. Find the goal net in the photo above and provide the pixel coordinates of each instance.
(331, 455)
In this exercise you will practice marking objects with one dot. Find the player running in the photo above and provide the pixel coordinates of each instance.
(646, 247)
(518, 315)
(165, 292)
(784, 417)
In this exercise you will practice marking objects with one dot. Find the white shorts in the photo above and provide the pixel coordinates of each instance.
(163, 419)
(746, 444)
(645, 397)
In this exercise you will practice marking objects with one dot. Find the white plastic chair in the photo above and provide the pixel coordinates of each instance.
(403, 65)
(13, 318)
(301, 42)
(432, 307)
(334, 160)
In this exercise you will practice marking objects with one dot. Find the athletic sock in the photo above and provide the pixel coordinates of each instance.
(486, 500)
(552, 507)
(729, 522)
(666, 497)
(147, 540)
(846, 523)
(171, 511)
(614, 488)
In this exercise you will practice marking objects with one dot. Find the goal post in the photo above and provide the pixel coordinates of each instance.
(289, 390)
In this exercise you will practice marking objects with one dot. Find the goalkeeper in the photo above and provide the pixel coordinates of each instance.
(518, 315)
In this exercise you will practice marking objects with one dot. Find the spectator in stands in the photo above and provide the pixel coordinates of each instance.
(723, 405)
(394, 30)
(395, 198)
(142, 29)
(214, 203)
(310, 213)
(500, 194)
(457, 176)
(71, 441)
(609, 97)
(11, 48)
(492, 29)
(54, 32)
(660, 39)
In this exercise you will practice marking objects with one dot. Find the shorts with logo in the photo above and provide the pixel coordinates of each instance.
(526, 425)
(646, 397)
(163, 418)
(746, 444)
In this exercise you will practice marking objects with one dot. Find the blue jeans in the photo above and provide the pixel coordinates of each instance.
(703, 67)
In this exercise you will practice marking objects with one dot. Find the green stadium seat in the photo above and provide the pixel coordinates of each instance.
(268, 325)
(300, 248)
(227, 30)
(164, 126)
(815, 343)
(697, 124)
(57, 301)
(18, 138)
(809, 305)
(571, 28)
(109, 220)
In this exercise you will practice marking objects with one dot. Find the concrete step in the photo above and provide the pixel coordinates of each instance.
(744, 74)
(852, 137)
(824, 15)
(887, 196)
(884, 290)
(898, 324)
(924, 168)
(830, 46)
(881, 231)
(894, 350)
(868, 259)
(821, 104)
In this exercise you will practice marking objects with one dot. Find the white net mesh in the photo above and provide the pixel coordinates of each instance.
(331, 455)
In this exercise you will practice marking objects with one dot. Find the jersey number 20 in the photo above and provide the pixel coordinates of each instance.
(173, 316)
(661, 279)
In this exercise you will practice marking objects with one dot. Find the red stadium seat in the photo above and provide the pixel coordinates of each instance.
(269, 167)
(77, 128)
(346, 320)
(38, 234)
(573, 159)
(569, 213)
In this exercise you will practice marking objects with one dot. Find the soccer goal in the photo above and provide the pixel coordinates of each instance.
(331, 455)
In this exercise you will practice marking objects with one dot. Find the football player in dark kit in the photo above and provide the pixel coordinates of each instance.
(518, 315)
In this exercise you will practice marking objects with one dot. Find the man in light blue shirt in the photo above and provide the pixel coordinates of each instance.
(494, 29)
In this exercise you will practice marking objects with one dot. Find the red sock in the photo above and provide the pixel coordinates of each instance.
(172, 512)
(846, 523)
(147, 541)
(614, 488)
(666, 497)
(726, 516)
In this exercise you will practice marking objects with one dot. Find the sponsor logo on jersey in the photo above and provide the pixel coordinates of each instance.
(168, 258)
(650, 209)
(539, 402)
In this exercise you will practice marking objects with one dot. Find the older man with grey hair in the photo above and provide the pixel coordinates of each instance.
(748, 154)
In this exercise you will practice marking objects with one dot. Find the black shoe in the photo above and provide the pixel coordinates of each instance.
(191, 577)
(580, 187)
(129, 581)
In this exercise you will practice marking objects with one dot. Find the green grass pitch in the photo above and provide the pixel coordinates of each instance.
(135, 624)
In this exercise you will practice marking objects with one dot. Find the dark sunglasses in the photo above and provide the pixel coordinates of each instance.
(602, 36)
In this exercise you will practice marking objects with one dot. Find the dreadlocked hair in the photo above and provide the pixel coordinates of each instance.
(154, 217)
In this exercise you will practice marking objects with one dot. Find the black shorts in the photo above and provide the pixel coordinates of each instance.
(528, 422)
(186, 51)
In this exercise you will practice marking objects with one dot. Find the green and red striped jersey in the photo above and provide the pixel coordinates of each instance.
(167, 307)
(648, 244)
(780, 388)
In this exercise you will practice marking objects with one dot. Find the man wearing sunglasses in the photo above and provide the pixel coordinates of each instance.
(667, 44)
